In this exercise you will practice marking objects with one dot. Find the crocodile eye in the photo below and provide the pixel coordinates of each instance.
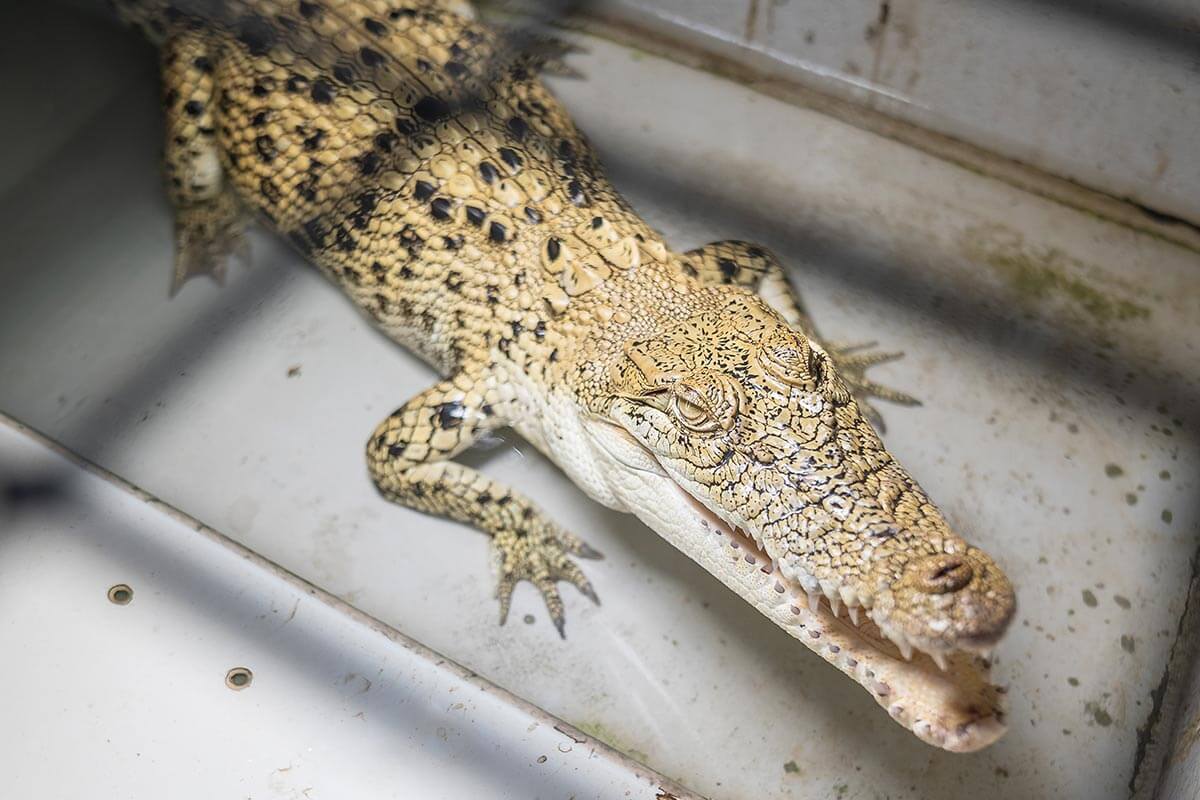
(706, 402)
(693, 415)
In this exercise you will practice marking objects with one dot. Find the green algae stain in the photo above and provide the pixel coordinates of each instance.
(1039, 274)
(791, 767)
(597, 730)
(1102, 717)
(1113, 470)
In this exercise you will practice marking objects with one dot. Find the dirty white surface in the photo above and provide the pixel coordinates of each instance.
(331, 705)
(1103, 92)
(1055, 355)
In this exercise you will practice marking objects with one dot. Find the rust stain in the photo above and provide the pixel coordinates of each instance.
(874, 34)
(751, 21)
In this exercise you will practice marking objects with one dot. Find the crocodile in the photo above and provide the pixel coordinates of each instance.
(414, 155)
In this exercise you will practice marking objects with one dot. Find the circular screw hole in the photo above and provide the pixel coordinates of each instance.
(238, 678)
(121, 594)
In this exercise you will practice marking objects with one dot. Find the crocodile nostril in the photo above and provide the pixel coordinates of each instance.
(944, 574)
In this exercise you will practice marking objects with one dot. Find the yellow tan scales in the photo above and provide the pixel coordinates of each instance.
(413, 155)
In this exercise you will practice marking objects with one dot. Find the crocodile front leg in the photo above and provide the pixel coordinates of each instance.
(759, 270)
(410, 460)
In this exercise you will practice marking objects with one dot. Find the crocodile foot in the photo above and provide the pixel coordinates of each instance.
(207, 236)
(852, 362)
(540, 552)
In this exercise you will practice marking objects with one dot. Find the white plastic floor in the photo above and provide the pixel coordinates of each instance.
(1055, 354)
(156, 658)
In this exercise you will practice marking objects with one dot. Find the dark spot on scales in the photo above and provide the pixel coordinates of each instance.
(386, 141)
(203, 64)
(533, 215)
(343, 73)
(518, 128)
(315, 231)
(372, 58)
(497, 232)
(423, 190)
(314, 141)
(440, 208)
(309, 10)
(368, 163)
(488, 172)
(374, 26)
(431, 109)
(193, 108)
(322, 91)
(256, 33)
(475, 215)
(510, 158)
(553, 248)
(575, 193)
(344, 241)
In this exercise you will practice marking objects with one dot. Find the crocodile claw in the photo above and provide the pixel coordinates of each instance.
(852, 362)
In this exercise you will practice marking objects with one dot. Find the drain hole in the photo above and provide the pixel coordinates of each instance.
(238, 678)
(120, 594)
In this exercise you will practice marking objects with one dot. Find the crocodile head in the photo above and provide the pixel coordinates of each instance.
(753, 457)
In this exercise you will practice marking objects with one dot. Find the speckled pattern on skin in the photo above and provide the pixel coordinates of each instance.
(413, 155)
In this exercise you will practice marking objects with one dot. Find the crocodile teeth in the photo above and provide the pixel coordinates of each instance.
(906, 648)
(853, 614)
(814, 601)
(835, 603)
(939, 658)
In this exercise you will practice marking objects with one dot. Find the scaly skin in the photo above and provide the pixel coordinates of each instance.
(413, 156)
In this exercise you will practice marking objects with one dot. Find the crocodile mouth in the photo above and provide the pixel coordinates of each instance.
(942, 695)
